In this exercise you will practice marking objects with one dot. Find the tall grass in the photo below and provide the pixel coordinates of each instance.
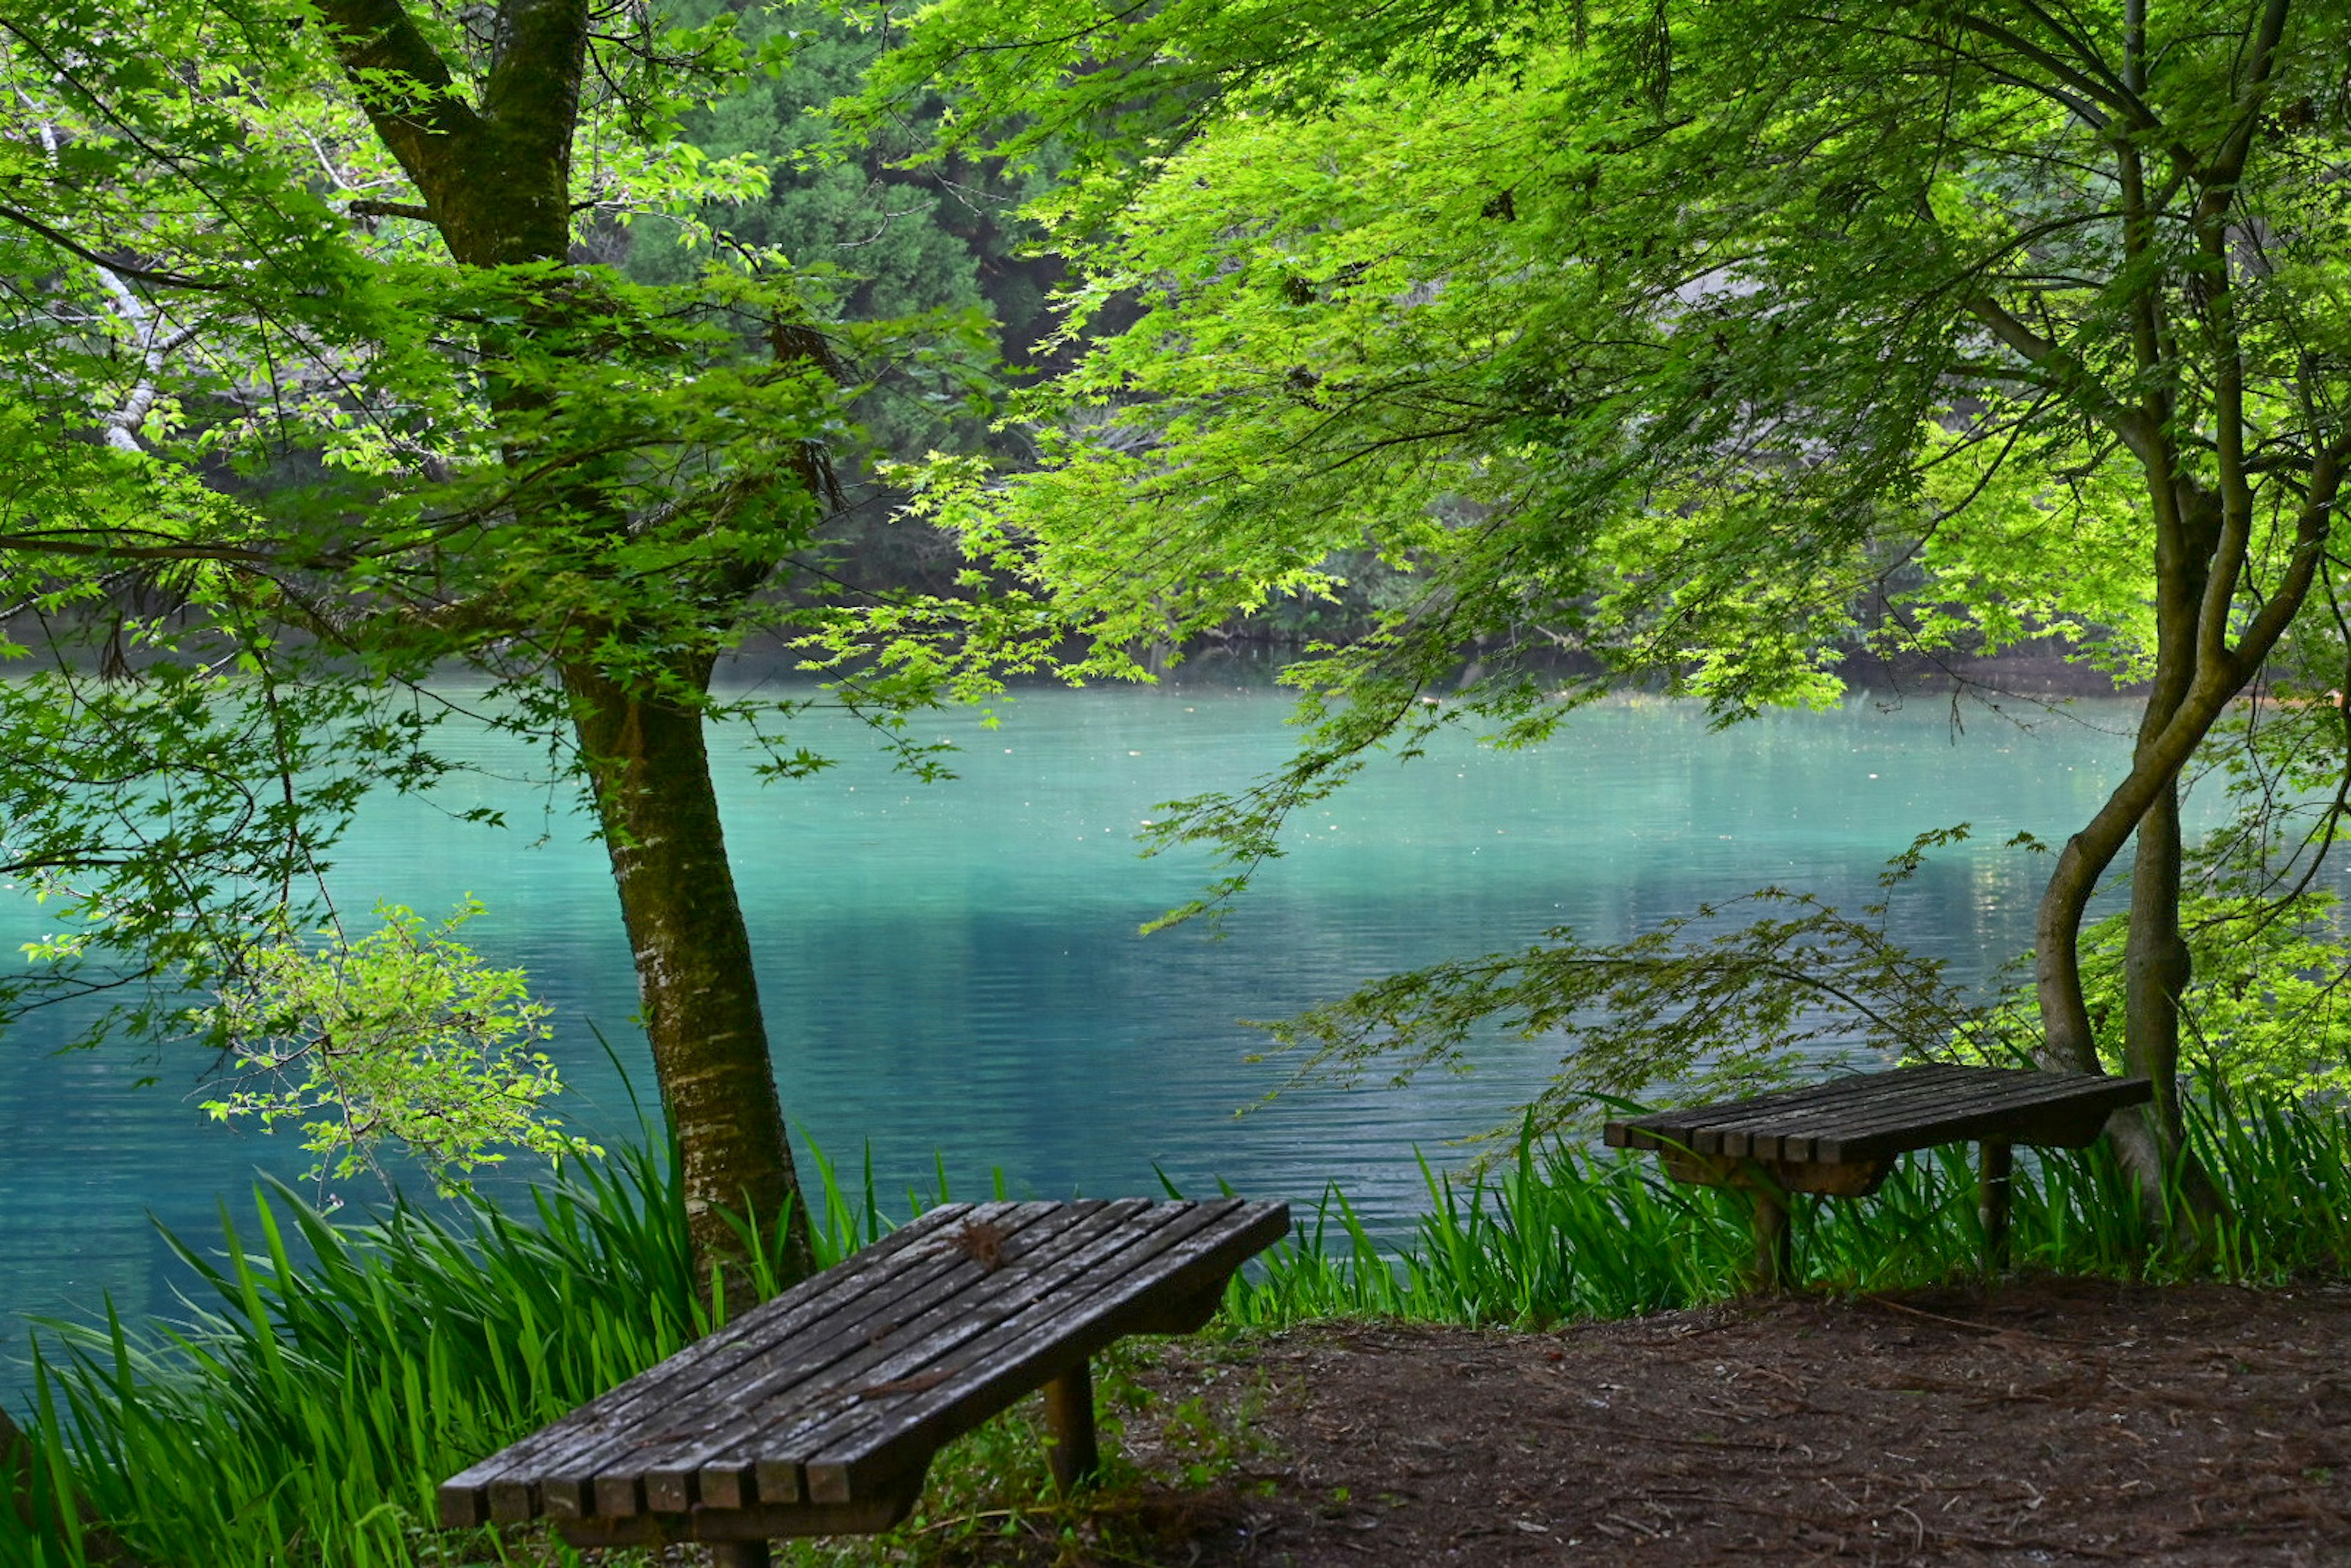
(333, 1373)
(304, 1410)
(1557, 1233)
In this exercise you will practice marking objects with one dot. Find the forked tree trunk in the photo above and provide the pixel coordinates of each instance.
(2204, 555)
(2190, 690)
(2204, 521)
(658, 813)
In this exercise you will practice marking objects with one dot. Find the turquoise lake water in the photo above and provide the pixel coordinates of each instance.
(954, 969)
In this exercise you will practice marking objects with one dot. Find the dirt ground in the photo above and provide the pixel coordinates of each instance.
(2050, 1422)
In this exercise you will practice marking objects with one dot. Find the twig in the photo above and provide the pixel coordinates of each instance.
(1992, 1329)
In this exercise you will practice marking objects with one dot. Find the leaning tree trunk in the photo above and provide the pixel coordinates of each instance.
(2151, 1141)
(2197, 558)
(2204, 532)
(2203, 554)
(658, 813)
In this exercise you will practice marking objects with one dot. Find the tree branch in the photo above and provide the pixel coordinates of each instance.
(119, 268)
(404, 84)
(2075, 380)
(364, 209)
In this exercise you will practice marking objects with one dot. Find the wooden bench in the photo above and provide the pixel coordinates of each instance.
(1840, 1138)
(817, 1412)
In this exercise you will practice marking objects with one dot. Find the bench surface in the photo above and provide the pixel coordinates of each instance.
(820, 1409)
(1874, 1116)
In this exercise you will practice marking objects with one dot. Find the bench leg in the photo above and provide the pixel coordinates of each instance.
(1070, 1415)
(1774, 1258)
(1991, 1202)
(739, 1554)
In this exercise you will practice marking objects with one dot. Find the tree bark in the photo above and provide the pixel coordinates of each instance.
(2203, 548)
(651, 771)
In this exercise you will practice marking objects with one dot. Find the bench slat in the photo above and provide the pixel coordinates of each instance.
(464, 1496)
(723, 1436)
(768, 1424)
(1658, 1126)
(1871, 1116)
(613, 1478)
(1032, 1229)
(1024, 1353)
(608, 1476)
(1902, 1087)
(1880, 1115)
(1815, 1135)
(831, 1398)
(1111, 1277)
(2062, 1123)
(2018, 1100)
(570, 1481)
(1839, 1139)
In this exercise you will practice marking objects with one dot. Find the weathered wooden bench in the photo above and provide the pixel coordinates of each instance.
(818, 1413)
(1841, 1137)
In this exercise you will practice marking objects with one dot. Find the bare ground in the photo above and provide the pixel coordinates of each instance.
(2048, 1422)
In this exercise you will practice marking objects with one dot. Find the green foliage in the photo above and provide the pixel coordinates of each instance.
(334, 1371)
(333, 1374)
(2262, 917)
(2013, 557)
(1673, 378)
(276, 446)
(895, 242)
(403, 1034)
(1711, 1007)
(307, 1409)
(1703, 342)
(898, 239)
(2263, 1011)
(156, 817)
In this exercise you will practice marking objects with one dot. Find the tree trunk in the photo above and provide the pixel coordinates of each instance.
(2201, 554)
(658, 813)
(496, 180)
(2152, 1141)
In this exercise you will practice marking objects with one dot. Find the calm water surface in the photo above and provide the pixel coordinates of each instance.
(954, 969)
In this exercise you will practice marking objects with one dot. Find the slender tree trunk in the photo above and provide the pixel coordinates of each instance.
(2188, 694)
(2152, 1141)
(659, 812)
